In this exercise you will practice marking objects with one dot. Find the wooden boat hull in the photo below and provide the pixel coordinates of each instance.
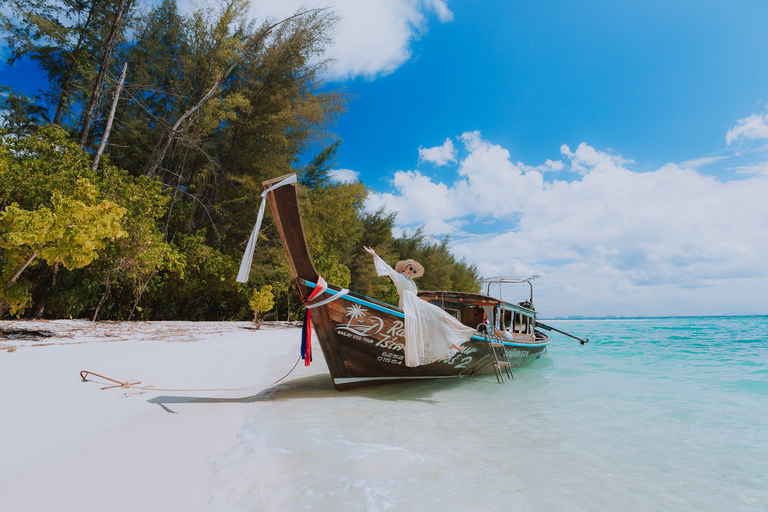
(363, 342)
(363, 339)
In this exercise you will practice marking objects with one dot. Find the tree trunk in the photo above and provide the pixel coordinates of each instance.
(103, 297)
(111, 118)
(110, 44)
(176, 188)
(23, 267)
(255, 41)
(172, 202)
(175, 130)
(141, 292)
(65, 87)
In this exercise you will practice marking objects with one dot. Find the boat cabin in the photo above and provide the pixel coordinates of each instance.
(487, 314)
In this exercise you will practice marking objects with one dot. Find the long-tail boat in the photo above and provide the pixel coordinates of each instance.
(363, 339)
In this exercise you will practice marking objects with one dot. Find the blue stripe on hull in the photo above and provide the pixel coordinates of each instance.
(399, 314)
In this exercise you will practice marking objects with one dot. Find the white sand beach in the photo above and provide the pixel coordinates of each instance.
(70, 445)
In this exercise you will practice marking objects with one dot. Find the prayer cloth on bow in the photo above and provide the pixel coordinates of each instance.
(306, 328)
(245, 265)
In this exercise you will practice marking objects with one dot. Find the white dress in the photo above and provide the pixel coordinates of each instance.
(429, 331)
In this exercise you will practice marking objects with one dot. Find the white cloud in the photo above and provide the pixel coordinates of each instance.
(418, 201)
(701, 162)
(548, 166)
(344, 175)
(753, 127)
(373, 37)
(614, 241)
(757, 169)
(439, 155)
(587, 156)
(442, 10)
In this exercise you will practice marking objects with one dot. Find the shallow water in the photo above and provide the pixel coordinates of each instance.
(652, 414)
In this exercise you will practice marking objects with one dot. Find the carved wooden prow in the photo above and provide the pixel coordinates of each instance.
(284, 203)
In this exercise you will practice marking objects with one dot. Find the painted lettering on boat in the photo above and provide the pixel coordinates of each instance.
(354, 336)
(464, 362)
(370, 328)
(391, 345)
(388, 357)
(461, 359)
(516, 352)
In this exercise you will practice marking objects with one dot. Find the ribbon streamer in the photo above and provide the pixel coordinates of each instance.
(306, 329)
(332, 298)
(245, 265)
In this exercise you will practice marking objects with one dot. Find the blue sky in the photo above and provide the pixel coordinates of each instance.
(618, 149)
(655, 82)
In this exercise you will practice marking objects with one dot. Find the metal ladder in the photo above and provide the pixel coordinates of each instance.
(500, 361)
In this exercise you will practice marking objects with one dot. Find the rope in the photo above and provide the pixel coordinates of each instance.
(126, 384)
(287, 374)
(132, 385)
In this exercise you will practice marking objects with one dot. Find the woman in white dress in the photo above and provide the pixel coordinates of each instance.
(431, 334)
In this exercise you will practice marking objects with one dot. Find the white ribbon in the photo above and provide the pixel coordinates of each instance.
(320, 288)
(332, 298)
(245, 265)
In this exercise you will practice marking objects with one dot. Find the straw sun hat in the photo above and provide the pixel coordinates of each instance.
(402, 263)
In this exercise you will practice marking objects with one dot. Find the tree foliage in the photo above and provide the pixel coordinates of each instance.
(56, 211)
(261, 301)
(66, 39)
(212, 105)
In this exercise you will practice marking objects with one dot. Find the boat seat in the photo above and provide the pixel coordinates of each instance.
(514, 336)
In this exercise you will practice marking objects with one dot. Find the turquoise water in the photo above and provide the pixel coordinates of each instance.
(652, 414)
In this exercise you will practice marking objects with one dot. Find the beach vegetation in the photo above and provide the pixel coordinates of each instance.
(66, 228)
(134, 198)
(262, 300)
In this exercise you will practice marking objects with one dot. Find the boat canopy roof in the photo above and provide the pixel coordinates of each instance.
(502, 280)
(460, 300)
(511, 280)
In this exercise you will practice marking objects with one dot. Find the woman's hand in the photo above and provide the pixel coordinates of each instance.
(370, 251)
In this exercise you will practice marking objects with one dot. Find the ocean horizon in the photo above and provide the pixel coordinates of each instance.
(614, 317)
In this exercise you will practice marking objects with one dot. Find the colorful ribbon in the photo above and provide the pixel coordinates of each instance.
(306, 329)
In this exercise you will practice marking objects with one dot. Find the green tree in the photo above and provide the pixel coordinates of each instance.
(67, 39)
(70, 232)
(58, 212)
(464, 277)
(213, 104)
(132, 261)
(262, 300)
(377, 233)
(158, 57)
(332, 220)
(21, 114)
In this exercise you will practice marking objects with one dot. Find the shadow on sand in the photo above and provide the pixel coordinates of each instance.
(321, 386)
